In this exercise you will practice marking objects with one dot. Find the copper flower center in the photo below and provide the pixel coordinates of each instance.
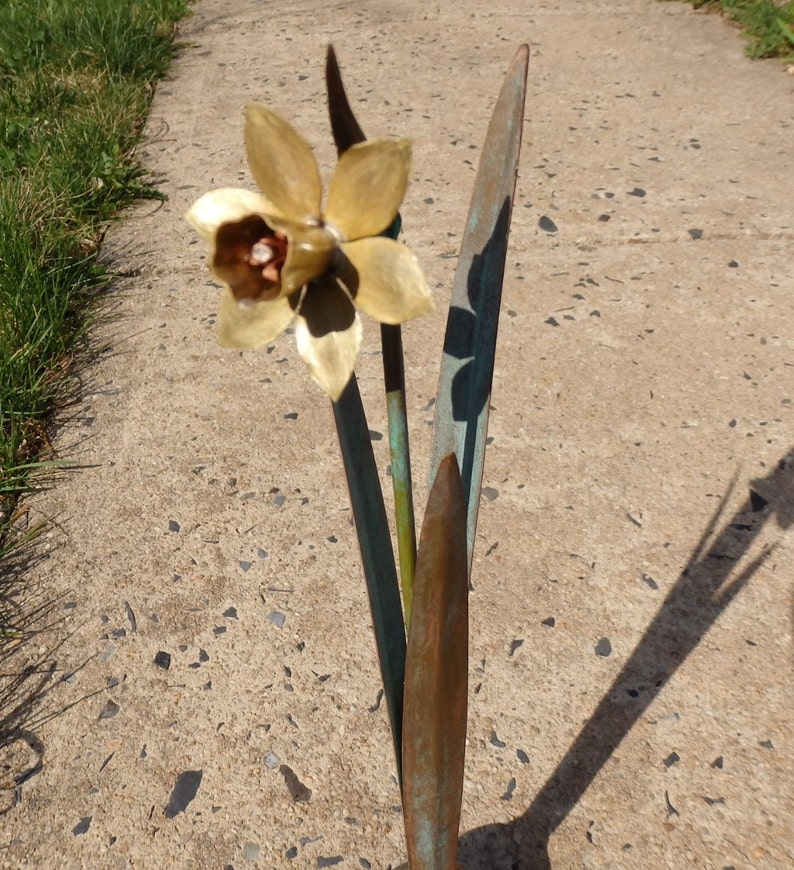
(249, 256)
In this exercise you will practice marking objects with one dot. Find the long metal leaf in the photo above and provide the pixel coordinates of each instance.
(464, 389)
(344, 126)
(377, 556)
(347, 132)
(434, 718)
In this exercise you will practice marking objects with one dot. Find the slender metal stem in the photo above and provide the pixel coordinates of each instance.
(394, 381)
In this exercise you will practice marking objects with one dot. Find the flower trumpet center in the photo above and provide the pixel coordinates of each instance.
(249, 256)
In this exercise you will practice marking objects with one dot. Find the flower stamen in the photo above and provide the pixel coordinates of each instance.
(270, 253)
(261, 254)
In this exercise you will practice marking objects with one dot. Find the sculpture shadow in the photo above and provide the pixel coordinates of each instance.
(701, 593)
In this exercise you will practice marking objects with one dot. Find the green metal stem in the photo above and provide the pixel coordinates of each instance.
(394, 381)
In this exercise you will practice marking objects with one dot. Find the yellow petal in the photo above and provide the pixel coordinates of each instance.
(250, 324)
(328, 335)
(385, 280)
(368, 186)
(226, 205)
(282, 164)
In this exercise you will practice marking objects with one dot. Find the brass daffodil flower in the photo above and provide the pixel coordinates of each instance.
(282, 257)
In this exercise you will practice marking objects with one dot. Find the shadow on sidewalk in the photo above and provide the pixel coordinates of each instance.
(32, 637)
(700, 594)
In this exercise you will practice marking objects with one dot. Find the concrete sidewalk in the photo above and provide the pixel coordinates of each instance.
(214, 698)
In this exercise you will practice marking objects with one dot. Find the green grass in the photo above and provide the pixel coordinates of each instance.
(76, 79)
(768, 26)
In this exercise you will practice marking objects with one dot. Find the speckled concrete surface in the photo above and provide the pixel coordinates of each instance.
(631, 646)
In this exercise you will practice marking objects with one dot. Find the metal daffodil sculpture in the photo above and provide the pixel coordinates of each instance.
(283, 257)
